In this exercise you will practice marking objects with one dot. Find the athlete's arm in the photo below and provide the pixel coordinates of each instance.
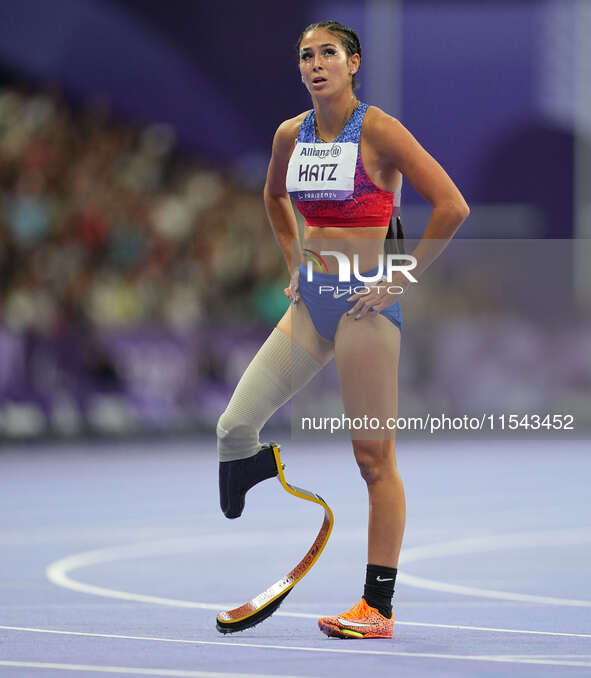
(277, 202)
(398, 149)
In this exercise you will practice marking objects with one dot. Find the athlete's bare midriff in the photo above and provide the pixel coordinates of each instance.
(367, 242)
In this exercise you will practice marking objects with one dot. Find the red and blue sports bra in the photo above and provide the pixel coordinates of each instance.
(329, 183)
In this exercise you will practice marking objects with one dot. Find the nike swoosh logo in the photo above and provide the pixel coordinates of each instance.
(338, 295)
(347, 622)
(378, 578)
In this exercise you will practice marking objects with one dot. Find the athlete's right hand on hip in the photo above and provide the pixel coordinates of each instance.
(293, 291)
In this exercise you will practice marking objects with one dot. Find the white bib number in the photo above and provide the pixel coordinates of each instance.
(322, 172)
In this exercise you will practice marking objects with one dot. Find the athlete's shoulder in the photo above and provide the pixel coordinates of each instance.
(378, 122)
(386, 134)
(287, 131)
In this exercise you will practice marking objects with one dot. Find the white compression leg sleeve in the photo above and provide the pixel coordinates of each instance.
(276, 373)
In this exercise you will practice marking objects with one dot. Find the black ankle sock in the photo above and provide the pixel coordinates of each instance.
(379, 588)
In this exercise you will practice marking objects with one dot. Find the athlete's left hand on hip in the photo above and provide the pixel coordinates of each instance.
(377, 299)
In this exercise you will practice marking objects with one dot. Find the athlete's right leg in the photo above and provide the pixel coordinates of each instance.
(292, 354)
(367, 354)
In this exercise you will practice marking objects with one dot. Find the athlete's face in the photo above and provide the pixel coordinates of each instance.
(324, 64)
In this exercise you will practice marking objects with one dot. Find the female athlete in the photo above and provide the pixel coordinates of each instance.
(343, 164)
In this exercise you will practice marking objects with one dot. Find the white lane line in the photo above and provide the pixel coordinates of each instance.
(455, 627)
(514, 540)
(58, 573)
(490, 629)
(504, 659)
(136, 671)
(435, 585)
(548, 656)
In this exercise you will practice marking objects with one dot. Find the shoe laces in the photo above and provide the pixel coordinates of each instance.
(360, 610)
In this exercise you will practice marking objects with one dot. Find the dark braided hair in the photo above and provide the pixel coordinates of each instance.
(347, 36)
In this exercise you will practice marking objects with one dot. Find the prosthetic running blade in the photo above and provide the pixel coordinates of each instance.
(262, 606)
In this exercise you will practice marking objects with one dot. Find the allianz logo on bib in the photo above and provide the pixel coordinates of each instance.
(334, 151)
(316, 152)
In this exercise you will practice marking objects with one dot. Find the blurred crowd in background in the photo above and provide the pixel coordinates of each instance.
(106, 229)
(106, 223)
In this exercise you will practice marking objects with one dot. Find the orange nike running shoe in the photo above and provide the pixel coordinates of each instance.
(361, 621)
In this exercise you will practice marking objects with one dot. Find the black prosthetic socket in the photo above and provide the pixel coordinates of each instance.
(238, 476)
(379, 588)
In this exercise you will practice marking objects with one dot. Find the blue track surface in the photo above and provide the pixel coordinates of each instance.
(150, 559)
